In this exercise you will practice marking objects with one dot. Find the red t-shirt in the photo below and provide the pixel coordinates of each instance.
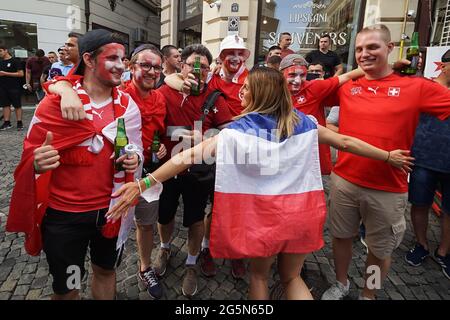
(230, 90)
(286, 52)
(184, 110)
(385, 113)
(36, 66)
(81, 188)
(310, 100)
(153, 113)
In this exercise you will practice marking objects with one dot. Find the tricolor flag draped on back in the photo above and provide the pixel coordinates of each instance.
(268, 194)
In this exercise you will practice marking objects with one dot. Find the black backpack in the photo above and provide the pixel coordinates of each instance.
(206, 172)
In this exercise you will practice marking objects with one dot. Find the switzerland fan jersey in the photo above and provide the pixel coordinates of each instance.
(309, 100)
(230, 89)
(385, 113)
(95, 180)
(184, 110)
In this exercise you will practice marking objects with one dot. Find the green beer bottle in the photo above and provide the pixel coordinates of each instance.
(155, 147)
(120, 142)
(412, 54)
(197, 72)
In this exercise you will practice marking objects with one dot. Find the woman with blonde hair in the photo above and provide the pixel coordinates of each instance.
(269, 199)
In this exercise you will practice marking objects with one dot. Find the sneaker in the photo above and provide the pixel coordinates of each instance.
(19, 126)
(337, 291)
(6, 126)
(416, 255)
(207, 266)
(444, 262)
(189, 287)
(161, 261)
(151, 283)
(238, 269)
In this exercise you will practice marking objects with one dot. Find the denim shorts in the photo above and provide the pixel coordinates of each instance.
(423, 184)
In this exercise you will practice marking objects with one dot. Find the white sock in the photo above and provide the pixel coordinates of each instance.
(347, 285)
(191, 259)
(165, 245)
(205, 243)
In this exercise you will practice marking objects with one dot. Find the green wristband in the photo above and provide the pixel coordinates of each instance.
(147, 182)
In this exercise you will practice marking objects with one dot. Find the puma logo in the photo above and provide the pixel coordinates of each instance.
(100, 115)
(373, 90)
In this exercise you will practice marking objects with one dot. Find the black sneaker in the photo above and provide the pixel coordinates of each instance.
(416, 256)
(6, 125)
(19, 126)
(151, 283)
(444, 262)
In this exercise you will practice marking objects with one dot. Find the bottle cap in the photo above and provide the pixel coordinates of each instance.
(131, 149)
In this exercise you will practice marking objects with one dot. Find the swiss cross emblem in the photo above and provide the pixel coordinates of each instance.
(394, 92)
(301, 99)
(215, 110)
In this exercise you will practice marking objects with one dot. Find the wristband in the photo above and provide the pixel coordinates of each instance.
(153, 178)
(139, 186)
(147, 182)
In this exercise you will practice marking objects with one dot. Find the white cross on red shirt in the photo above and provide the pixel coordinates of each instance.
(394, 92)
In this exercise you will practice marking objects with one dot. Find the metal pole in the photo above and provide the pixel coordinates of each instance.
(403, 36)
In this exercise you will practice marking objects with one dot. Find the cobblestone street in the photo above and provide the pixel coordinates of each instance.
(26, 277)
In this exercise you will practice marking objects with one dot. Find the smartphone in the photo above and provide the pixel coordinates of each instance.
(312, 76)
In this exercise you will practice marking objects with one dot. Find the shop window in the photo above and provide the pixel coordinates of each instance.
(306, 20)
(190, 22)
(19, 37)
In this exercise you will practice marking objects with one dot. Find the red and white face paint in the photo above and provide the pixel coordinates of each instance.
(233, 59)
(109, 66)
(146, 70)
(295, 75)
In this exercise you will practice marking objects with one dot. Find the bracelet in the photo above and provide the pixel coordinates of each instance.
(389, 156)
(147, 182)
(156, 180)
(139, 186)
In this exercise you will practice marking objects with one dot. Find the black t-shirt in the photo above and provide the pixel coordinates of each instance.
(161, 80)
(330, 60)
(10, 65)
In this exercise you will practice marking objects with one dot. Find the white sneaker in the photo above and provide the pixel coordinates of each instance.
(337, 291)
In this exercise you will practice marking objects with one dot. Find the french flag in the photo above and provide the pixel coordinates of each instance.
(268, 193)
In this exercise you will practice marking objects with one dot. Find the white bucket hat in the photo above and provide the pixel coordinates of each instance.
(234, 42)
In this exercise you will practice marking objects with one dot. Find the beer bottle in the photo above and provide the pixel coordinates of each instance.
(412, 54)
(120, 142)
(155, 147)
(197, 72)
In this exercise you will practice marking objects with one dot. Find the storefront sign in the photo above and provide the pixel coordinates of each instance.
(433, 65)
(308, 20)
(19, 53)
(191, 8)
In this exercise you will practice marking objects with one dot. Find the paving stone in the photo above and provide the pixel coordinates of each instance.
(4, 273)
(21, 290)
(394, 295)
(26, 279)
(33, 294)
(5, 295)
(39, 283)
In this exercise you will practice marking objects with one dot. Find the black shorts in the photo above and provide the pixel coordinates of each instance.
(66, 237)
(10, 97)
(195, 196)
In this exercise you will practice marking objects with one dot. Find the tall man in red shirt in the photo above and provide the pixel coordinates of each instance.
(383, 109)
(183, 110)
(75, 173)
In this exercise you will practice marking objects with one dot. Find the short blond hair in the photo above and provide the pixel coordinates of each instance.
(380, 28)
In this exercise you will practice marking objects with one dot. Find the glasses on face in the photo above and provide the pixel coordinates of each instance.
(203, 66)
(148, 66)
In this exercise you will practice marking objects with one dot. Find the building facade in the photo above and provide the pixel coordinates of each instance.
(260, 23)
(27, 25)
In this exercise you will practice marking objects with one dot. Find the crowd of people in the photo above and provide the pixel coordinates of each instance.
(267, 200)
